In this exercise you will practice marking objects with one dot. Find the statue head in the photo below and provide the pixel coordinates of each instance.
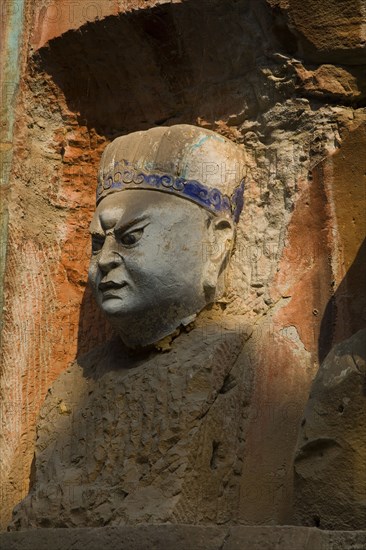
(168, 200)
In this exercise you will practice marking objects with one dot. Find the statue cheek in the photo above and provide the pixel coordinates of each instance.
(93, 273)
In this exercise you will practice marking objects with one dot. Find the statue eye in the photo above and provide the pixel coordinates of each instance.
(97, 243)
(131, 238)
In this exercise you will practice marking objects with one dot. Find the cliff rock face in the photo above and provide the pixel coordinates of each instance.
(284, 78)
(330, 464)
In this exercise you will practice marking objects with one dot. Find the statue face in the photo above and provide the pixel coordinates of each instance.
(147, 256)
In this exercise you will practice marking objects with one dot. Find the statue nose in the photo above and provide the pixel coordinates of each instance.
(109, 256)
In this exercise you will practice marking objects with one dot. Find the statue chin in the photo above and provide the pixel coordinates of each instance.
(111, 306)
(140, 331)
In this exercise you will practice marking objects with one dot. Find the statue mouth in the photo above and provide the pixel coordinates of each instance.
(109, 288)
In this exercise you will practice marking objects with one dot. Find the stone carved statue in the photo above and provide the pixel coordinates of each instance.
(129, 434)
(149, 271)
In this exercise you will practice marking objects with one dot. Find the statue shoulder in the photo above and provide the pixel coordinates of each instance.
(80, 375)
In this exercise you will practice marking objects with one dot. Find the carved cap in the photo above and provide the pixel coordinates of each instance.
(188, 161)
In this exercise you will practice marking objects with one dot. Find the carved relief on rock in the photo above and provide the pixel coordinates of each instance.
(129, 434)
(163, 196)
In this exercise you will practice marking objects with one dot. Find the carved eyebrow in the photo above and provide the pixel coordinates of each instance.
(120, 229)
(97, 233)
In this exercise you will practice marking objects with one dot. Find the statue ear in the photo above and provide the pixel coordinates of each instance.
(221, 232)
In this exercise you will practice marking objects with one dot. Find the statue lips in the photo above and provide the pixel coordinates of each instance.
(110, 289)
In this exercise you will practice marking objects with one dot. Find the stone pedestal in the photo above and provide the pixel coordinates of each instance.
(182, 537)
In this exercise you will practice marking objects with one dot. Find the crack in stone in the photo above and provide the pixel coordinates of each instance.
(226, 538)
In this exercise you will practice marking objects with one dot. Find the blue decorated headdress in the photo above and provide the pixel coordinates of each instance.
(184, 160)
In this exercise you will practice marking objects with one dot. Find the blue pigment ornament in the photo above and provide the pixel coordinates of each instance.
(190, 162)
(125, 176)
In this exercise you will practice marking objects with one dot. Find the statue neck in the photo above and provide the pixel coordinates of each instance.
(144, 332)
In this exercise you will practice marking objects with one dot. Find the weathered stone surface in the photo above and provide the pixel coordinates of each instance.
(330, 464)
(347, 84)
(51, 19)
(151, 438)
(181, 537)
(142, 537)
(326, 30)
(344, 175)
(289, 538)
